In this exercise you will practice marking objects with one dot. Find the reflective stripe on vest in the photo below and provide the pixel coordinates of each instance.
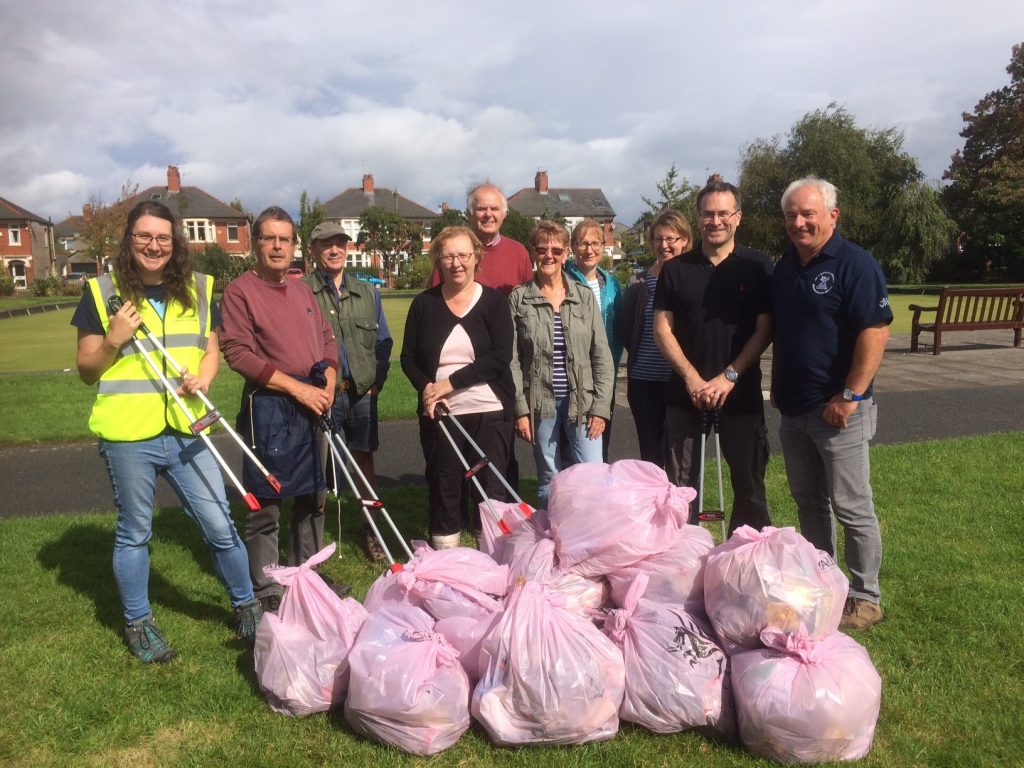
(131, 402)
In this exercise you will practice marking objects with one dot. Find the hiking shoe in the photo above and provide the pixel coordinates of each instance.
(146, 642)
(372, 547)
(341, 590)
(860, 614)
(270, 603)
(247, 618)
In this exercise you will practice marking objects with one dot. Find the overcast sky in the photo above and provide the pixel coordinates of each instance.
(262, 100)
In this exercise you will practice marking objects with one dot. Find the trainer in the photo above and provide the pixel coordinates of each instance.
(832, 315)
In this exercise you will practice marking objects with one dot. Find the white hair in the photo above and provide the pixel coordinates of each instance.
(826, 189)
(471, 196)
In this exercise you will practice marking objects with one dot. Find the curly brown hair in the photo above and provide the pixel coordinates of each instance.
(178, 272)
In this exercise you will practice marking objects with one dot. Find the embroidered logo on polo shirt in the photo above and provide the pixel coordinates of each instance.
(823, 283)
(884, 302)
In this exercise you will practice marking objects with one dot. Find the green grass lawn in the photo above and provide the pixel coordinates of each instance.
(950, 651)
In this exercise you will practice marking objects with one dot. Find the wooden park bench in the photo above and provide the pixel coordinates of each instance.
(971, 309)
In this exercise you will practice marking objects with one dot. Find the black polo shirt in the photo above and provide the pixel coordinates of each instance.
(819, 310)
(714, 310)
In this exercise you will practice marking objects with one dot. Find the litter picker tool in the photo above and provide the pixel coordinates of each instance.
(369, 502)
(709, 423)
(198, 427)
(212, 415)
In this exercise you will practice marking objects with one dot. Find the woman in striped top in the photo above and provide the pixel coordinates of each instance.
(648, 372)
(561, 363)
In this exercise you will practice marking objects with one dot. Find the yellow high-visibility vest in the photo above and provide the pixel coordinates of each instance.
(131, 402)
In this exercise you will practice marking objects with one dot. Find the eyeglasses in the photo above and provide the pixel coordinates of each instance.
(273, 239)
(712, 215)
(590, 246)
(144, 238)
(451, 258)
(667, 240)
(555, 251)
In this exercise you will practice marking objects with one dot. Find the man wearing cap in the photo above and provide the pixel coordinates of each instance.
(353, 310)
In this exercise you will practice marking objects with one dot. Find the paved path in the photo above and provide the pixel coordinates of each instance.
(976, 386)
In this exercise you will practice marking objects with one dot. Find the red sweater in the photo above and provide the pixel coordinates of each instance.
(505, 265)
(273, 326)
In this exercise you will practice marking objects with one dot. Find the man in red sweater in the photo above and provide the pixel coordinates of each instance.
(506, 263)
(275, 336)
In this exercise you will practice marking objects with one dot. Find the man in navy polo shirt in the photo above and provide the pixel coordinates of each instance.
(712, 321)
(831, 313)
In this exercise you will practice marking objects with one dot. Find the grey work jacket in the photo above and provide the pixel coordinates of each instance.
(588, 359)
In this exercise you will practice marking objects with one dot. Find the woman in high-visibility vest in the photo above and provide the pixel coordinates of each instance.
(142, 431)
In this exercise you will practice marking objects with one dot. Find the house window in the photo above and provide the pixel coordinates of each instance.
(232, 233)
(14, 233)
(199, 231)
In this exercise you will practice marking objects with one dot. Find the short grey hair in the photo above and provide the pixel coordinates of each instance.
(471, 196)
(826, 189)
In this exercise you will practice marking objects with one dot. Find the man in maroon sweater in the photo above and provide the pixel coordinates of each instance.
(506, 263)
(275, 336)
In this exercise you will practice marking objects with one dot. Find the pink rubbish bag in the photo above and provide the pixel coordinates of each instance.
(605, 517)
(466, 635)
(676, 576)
(301, 653)
(806, 701)
(675, 673)
(581, 595)
(408, 688)
(771, 578)
(445, 583)
(494, 532)
(550, 677)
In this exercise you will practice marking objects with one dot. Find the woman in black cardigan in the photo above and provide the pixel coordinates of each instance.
(457, 350)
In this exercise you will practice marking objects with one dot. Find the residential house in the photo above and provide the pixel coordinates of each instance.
(574, 204)
(26, 244)
(349, 205)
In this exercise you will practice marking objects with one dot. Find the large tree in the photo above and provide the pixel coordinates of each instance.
(986, 195)
(517, 226)
(102, 230)
(388, 234)
(877, 182)
(450, 217)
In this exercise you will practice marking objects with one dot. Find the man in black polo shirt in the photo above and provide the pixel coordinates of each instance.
(712, 322)
(831, 313)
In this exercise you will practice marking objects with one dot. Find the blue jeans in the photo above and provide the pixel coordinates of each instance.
(548, 455)
(829, 472)
(192, 472)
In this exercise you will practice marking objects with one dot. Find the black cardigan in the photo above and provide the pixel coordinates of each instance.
(489, 327)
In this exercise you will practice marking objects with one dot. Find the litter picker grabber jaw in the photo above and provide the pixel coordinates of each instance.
(442, 410)
(114, 303)
(369, 501)
(709, 423)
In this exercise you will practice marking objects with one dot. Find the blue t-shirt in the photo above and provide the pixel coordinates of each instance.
(819, 309)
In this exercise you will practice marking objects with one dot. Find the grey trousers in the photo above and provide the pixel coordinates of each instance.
(829, 473)
(261, 529)
(744, 441)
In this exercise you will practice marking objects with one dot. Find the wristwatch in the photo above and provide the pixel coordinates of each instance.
(731, 374)
(849, 397)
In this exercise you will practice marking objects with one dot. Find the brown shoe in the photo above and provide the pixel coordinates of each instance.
(372, 547)
(860, 614)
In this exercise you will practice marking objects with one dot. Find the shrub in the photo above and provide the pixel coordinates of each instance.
(47, 286)
(6, 285)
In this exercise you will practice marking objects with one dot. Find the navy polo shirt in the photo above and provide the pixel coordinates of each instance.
(819, 310)
(714, 312)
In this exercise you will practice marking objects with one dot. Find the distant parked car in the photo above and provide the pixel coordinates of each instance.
(368, 279)
(295, 273)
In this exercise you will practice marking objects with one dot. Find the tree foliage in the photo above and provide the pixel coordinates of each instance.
(224, 267)
(310, 214)
(986, 193)
(101, 232)
(673, 192)
(451, 217)
(517, 226)
(392, 237)
(877, 182)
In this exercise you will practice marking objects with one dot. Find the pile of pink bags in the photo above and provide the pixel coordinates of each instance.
(606, 607)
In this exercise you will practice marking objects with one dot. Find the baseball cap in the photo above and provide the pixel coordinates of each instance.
(327, 229)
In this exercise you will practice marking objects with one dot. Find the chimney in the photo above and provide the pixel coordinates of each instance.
(444, 207)
(87, 211)
(367, 182)
(540, 182)
(173, 179)
(609, 233)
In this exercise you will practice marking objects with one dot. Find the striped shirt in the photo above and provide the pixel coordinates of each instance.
(650, 365)
(559, 377)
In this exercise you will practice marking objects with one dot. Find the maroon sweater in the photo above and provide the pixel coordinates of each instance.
(273, 326)
(504, 266)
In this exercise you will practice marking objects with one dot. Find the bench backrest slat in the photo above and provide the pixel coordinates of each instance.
(971, 306)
